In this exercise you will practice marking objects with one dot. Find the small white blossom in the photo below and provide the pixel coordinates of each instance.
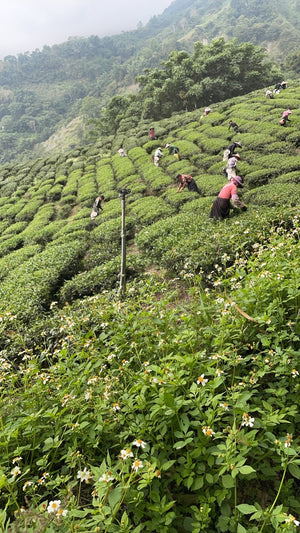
(201, 380)
(247, 420)
(84, 475)
(139, 443)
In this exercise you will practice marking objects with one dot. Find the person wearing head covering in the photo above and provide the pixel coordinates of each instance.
(283, 84)
(173, 150)
(269, 94)
(157, 155)
(122, 152)
(185, 180)
(231, 149)
(234, 126)
(222, 204)
(97, 206)
(231, 170)
(285, 117)
(207, 110)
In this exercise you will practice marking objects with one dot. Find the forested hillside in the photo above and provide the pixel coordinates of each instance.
(173, 407)
(41, 91)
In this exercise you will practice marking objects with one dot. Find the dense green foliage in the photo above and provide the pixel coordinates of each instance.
(60, 88)
(176, 407)
(187, 82)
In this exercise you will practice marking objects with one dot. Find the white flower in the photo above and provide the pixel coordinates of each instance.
(295, 373)
(84, 475)
(137, 464)
(107, 477)
(124, 454)
(208, 431)
(139, 443)
(224, 405)
(16, 460)
(54, 506)
(292, 520)
(247, 420)
(16, 471)
(27, 484)
(62, 512)
(201, 380)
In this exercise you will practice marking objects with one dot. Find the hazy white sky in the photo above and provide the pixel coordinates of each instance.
(30, 24)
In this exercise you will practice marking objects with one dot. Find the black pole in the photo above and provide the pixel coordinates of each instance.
(122, 287)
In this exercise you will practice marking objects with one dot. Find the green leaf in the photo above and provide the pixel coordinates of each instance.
(209, 478)
(114, 496)
(3, 480)
(167, 465)
(244, 508)
(241, 529)
(228, 481)
(181, 443)
(198, 483)
(246, 470)
(294, 470)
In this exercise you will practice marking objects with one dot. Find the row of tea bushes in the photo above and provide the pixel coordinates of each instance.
(30, 288)
(103, 277)
(180, 242)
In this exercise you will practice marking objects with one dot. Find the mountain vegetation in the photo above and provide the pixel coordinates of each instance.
(173, 407)
(43, 90)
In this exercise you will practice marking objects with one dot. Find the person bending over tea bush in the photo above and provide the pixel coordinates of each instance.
(97, 206)
(234, 126)
(230, 152)
(187, 180)
(222, 205)
(285, 117)
(173, 150)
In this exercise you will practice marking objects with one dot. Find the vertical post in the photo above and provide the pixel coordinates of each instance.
(122, 287)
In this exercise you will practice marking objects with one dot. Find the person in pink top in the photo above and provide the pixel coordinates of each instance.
(285, 117)
(222, 204)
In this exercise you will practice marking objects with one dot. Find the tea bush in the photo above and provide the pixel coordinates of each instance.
(18, 257)
(274, 194)
(149, 209)
(29, 289)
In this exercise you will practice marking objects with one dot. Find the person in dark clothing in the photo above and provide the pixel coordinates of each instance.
(97, 207)
(222, 205)
(277, 87)
(232, 148)
(230, 151)
(173, 150)
(185, 180)
(234, 126)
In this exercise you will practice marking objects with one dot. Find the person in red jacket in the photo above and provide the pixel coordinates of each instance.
(222, 205)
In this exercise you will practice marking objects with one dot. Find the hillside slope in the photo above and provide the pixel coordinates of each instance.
(44, 90)
(176, 407)
(46, 203)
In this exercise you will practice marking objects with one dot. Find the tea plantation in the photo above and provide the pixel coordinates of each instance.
(174, 407)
